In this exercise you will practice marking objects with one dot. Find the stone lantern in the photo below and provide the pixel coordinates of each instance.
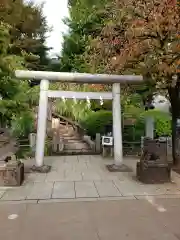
(159, 103)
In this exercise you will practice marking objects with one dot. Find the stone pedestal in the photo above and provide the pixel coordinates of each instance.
(43, 169)
(153, 166)
(153, 174)
(107, 151)
(11, 174)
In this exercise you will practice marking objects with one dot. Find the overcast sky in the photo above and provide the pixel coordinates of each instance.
(55, 11)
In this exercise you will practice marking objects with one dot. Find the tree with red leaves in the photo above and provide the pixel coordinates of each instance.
(149, 45)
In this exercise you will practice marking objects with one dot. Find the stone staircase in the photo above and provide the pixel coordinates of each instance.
(73, 141)
(75, 145)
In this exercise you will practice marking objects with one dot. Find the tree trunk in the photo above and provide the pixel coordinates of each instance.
(174, 141)
(174, 94)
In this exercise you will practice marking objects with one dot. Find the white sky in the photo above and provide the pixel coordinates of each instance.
(55, 11)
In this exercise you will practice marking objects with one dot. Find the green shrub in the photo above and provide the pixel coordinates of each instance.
(162, 122)
(163, 127)
(22, 125)
(133, 133)
(96, 122)
(139, 129)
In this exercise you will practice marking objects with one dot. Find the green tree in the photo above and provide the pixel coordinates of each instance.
(16, 95)
(85, 21)
(9, 87)
(87, 24)
(27, 33)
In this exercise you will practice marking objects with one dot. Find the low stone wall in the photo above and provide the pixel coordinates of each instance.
(88, 140)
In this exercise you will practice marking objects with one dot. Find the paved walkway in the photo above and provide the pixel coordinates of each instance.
(85, 178)
(100, 220)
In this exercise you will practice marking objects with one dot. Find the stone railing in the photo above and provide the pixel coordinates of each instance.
(90, 143)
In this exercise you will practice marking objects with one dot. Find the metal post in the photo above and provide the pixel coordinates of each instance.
(117, 130)
(42, 119)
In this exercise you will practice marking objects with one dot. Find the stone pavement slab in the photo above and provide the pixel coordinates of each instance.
(72, 175)
(107, 189)
(63, 190)
(17, 193)
(40, 191)
(81, 166)
(71, 160)
(55, 176)
(86, 190)
(91, 175)
(35, 177)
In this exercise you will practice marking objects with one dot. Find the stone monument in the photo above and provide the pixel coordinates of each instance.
(154, 166)
(11, 170)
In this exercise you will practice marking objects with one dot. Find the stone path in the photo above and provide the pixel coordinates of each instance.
(85, 178)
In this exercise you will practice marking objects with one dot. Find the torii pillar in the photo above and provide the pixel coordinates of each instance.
(117, 126)
(118, 165)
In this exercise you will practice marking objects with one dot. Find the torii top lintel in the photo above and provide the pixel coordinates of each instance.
(78, 77)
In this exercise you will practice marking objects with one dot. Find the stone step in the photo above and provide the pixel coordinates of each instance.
(71, 136)
(72, 139)
(77, 145)
(71, 151)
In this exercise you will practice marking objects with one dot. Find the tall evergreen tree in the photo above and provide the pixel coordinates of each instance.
(85, 22)
(28, 29)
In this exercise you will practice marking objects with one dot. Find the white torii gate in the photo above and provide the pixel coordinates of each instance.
(45, 93)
